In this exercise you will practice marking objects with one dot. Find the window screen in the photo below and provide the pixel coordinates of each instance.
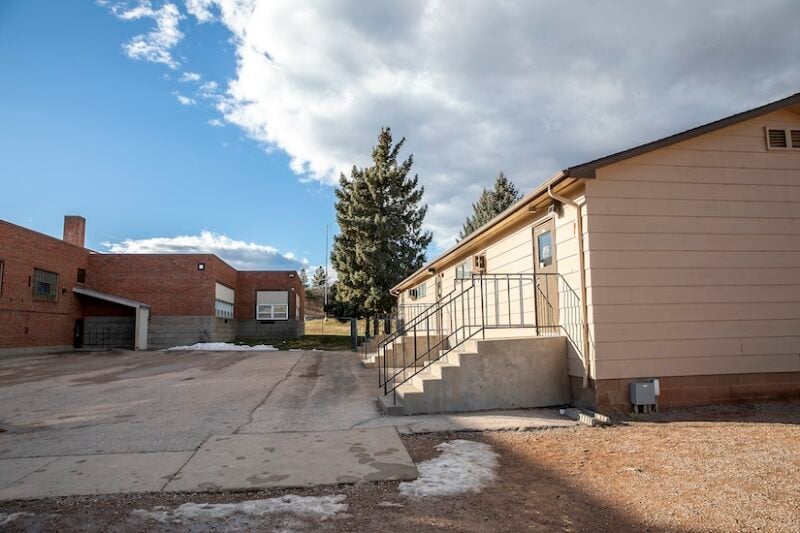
(45, 285)
(545, 241)
(272, 305)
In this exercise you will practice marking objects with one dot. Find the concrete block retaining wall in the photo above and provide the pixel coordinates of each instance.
(278, 329)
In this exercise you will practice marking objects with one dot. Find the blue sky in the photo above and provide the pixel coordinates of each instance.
(278, 97)
(88, 131)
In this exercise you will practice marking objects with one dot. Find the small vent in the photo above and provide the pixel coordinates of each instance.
(795, 138)
(776, 138)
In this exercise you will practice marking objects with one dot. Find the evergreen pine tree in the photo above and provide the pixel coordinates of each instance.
(320, 277)
(490, 204)
(304, 277)
(381, 240)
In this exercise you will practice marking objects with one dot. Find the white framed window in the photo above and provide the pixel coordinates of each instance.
(419, 291)
(463, 271)
(272, 305)
(225, 298)
(223, 309)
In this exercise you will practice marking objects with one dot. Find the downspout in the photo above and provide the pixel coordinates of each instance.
(582, 268)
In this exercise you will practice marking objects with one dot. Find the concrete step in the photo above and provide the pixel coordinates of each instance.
(491, 374)
(389, 406)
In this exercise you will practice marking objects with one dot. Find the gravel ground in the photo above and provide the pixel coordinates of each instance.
(731, 468)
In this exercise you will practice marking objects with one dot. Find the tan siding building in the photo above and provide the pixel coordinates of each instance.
(687, 265)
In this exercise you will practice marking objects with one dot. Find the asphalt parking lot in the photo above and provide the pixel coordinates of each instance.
(133, 422)
(123, 402)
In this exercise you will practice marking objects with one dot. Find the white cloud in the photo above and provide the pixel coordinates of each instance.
(526, 87)
(210, 91)
(200, 9)
(184, 100)
(217, 123)
(155, 45)
(190, 77)
(239, 254)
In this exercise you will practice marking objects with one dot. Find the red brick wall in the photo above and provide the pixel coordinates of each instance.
(27, 322)
(686, 391)
(248, 283)
(170, 283)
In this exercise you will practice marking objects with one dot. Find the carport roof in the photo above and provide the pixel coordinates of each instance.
(108, 297)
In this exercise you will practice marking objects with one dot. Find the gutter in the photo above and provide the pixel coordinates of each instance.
(582, 270)
(520, 205)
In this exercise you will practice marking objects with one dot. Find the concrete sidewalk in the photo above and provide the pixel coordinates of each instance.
(223, 462)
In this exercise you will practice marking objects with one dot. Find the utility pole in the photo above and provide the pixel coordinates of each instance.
(327, 260)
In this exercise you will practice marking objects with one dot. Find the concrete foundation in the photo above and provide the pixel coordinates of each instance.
(490, 374)
(612, 395)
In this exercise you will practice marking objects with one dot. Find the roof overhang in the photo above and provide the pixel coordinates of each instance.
(520, 207)
(109, 297)
(588, 170)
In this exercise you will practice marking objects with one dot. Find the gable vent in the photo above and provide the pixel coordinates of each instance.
(776, 138)
(783, 139)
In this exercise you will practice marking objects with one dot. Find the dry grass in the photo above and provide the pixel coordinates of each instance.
(714, 469)
(331, 326)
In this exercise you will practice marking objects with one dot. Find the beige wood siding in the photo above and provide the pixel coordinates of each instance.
(511, 252)
(694, 257)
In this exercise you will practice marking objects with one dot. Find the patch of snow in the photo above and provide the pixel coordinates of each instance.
(223, 347)
(310, 506)
(464, 466)
(390, 504)
(6, 519)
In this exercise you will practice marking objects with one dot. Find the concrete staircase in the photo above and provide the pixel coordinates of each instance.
(503, 373)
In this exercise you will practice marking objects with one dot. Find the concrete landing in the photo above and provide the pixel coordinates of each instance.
(300, 459)
(497, 420)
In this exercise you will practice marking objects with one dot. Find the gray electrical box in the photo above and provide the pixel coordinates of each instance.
(643, 393)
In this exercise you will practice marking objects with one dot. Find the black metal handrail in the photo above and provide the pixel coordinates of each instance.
(543, 302)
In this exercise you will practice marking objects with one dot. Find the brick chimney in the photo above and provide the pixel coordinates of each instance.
(74, 229)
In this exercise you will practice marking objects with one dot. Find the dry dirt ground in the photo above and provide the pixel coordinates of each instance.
(732, 468)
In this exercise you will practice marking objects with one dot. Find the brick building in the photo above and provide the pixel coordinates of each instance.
(56, 294)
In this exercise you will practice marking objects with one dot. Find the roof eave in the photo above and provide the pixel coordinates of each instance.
(520, 205)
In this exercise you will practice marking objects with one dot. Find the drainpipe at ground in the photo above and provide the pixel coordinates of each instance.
(584, 307)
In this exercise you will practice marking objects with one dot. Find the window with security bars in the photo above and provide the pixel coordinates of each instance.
(223, 309)
(45, 285)
(783, 139)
